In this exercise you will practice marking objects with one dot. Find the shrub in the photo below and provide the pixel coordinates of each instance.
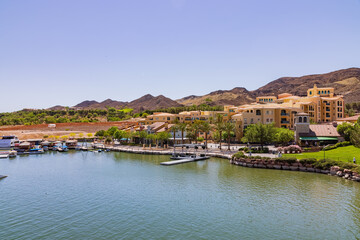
(256, 150)
(307, 160)
(286, 160)
(239, 155)
(339, 144)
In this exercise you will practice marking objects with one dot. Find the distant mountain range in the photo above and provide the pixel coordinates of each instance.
(147, 102)
(346, 82)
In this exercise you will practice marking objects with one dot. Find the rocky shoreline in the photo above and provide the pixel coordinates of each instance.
(296, 166)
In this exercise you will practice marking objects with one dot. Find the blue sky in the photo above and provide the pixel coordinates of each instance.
(63, 52)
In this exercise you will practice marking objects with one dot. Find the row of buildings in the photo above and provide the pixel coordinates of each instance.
(320, 105)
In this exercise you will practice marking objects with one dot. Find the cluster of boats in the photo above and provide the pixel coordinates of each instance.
(11, 146)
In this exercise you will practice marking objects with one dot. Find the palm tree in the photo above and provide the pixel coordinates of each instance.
(175, 128)
(229, 127)
(219, 126)
(196, 127)
(182, 128)
(205, 127)
(142, 134)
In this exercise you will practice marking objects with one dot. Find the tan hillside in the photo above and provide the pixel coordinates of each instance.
(345, 82)
(236, 96)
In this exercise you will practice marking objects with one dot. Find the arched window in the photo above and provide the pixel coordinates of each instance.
(300, 119)
(305, 119)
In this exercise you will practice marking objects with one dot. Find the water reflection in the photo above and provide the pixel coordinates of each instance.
(120, 195)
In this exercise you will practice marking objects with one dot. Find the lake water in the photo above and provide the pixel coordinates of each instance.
(85, 195)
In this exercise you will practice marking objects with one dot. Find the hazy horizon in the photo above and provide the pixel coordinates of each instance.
(62, 53)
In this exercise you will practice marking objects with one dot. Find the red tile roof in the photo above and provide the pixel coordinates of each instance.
(317, 130)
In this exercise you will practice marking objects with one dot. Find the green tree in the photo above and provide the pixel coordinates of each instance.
(163, 137)
(206, 128)
(229, 129)
(355, 136)
(118, 134)
(100, 133)
(220, 127)
(284, 135)
(174, 129)
(111, 131)
(345, 130)
(259, 133)
(142, 136)
(182, 128)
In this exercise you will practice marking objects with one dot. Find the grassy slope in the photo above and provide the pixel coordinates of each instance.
(345, 154)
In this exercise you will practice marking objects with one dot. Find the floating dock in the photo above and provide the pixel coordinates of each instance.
(187, 160)
(2, 176)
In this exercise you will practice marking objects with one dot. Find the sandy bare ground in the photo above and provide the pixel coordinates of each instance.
(61, 129)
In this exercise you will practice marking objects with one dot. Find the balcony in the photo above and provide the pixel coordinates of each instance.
(285, 122)
(284, 114)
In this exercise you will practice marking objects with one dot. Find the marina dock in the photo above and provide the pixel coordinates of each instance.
(187, 160)
(174, 162)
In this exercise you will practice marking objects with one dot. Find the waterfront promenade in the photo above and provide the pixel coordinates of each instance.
(168, 151)
(212, 151)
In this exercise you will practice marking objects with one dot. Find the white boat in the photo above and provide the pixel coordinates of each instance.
(4, 155)
(12, 154)
(9, 141)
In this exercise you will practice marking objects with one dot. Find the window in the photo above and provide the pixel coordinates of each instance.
(310, 92)
(305, 119)
(258, 112)
(300, 119)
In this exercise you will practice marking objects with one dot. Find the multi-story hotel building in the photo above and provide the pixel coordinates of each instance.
(321, 104)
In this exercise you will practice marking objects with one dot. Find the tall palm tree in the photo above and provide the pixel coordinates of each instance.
(196, 127)
(219, 126)
(229, 127)
(175, 128)
(205, 127)
(182, 128)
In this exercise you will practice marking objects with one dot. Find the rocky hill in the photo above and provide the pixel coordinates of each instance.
(147, 102)
(236, 96)
(346, 82)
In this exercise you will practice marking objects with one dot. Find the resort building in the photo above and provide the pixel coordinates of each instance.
(160, 117)
(321, 104)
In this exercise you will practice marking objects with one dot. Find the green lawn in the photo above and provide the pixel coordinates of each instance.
(345, 154)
